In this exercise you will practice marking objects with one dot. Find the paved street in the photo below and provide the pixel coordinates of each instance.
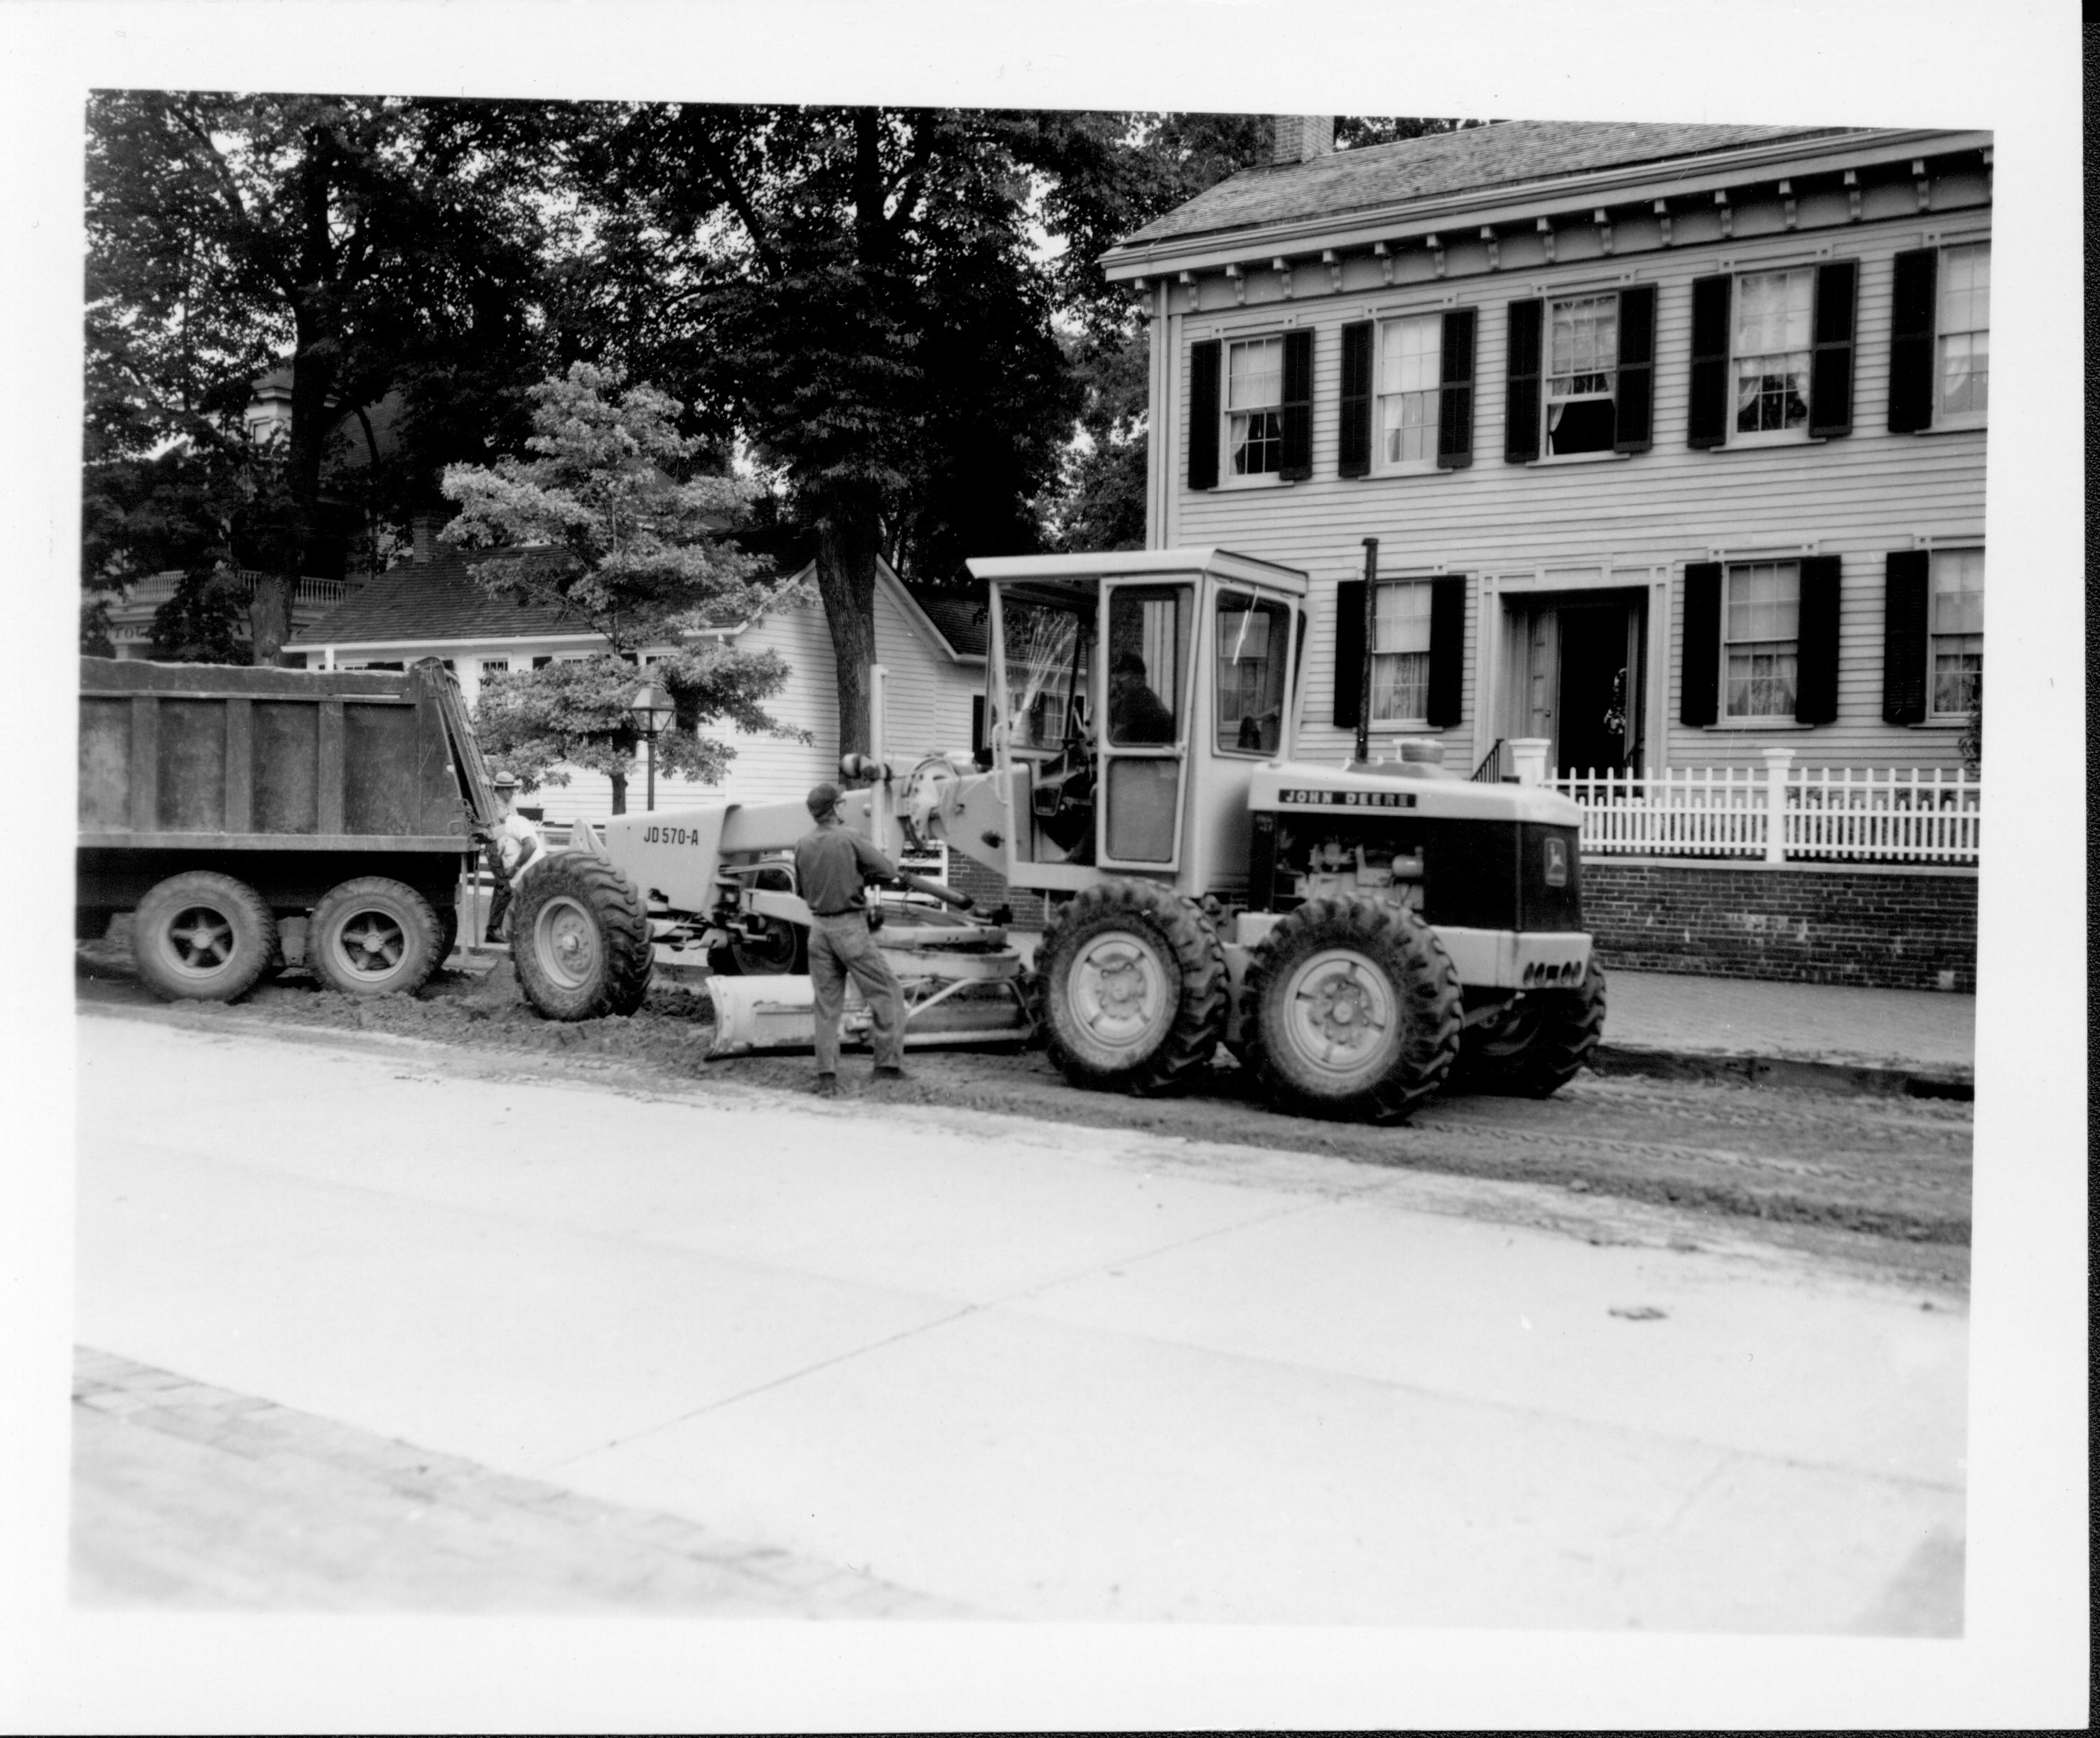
(938, 1360)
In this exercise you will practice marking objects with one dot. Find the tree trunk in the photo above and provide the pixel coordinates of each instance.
(269, 618)
(619, 792)
(847, 542)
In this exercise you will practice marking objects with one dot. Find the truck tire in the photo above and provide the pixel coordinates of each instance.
(1540, 1045)
(373, 936)
(203, 935)
(1352, 1011)
(580, 937)
(1133, 988)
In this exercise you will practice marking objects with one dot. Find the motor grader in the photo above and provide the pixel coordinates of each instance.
(1353, 930)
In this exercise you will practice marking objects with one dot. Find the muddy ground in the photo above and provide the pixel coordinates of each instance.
(1875, 1181)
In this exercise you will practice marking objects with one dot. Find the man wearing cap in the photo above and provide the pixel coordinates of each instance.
(517, 847)
(833, 865)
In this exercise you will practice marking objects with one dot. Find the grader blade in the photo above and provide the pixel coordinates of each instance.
(957, 1000)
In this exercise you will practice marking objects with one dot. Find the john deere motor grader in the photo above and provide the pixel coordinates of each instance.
(1353, 930)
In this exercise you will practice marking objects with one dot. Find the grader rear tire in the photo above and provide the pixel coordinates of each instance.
(203, 935)
(374, 936)
(1133, 989)
(580, 939)
(1353, 1007)
(1541, 1046)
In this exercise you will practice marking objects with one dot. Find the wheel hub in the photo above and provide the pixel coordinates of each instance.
(1342, 1016)
(201, 938)
(1119, 992)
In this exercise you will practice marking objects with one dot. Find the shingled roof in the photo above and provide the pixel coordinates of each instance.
(1441, 164)
(438, 599)
(961, 619)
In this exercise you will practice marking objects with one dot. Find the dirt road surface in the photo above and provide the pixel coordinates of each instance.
(1878, 1184)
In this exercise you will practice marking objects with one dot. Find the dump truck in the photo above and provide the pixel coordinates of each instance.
(1354, 930)
(249, 818)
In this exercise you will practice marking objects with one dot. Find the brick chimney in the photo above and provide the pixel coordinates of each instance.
(1299, 138)
(423, 528)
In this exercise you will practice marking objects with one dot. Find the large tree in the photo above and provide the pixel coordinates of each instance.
(852, 294)
(377, 244)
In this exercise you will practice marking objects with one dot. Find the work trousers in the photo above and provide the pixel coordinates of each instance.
(839, 948)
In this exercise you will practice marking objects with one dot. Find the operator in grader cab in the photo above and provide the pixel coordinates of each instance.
(833, 865)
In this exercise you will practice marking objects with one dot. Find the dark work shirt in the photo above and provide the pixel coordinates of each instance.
(832, 866)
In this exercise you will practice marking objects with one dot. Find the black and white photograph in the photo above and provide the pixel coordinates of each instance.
(926, 875)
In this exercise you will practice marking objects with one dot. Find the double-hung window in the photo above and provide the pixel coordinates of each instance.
(1939, 339)
(1957, 631)
(1760, 638)
(1410, 373)
(1773, 342)
(1407, 395)
(1964, 331)
(1400, 655)
(1581, 376)
(1253, 407)
(1772, 355)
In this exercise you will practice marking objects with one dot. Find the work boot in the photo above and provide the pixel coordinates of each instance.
(885, 1071)
(827, 1087)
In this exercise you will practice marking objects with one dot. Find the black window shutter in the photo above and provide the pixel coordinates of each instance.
(1903, 654)
(1910, 340)
(1204, 361)
(1348, 652)
(1708, 424)
(1527, 322)
(1636, 395)
(1354, 444)
(1699, 678)
(1830, 377)
(1454, 400)
(1815, 671)
(1447, 647)
(1297, 463)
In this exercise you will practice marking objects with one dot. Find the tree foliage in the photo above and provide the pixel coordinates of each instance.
(381, 245)
(607, 525)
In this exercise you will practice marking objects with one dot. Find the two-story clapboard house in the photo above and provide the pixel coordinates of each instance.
(1671, 437)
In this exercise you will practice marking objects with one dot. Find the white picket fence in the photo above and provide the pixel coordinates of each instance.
(1779, 813)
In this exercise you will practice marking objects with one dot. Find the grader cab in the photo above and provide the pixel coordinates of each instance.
(1351, 929)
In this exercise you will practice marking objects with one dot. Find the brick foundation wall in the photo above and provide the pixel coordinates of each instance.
(988, 887)
(1886, 929)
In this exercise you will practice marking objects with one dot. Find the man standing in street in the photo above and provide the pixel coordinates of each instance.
(833, 865)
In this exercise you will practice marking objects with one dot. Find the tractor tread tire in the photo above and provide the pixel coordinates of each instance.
(1426, 995)
(625, 953)
(420, 927)
(1567, 1024)
(1190, 943)
(253, 925)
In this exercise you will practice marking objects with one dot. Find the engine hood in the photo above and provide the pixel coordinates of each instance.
(1399, 787)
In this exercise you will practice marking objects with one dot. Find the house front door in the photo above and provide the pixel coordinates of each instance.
(1599, 687)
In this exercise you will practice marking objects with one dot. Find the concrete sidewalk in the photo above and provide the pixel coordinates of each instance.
(1917, 1041)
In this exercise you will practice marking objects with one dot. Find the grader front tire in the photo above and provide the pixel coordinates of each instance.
(581, 939)
(1133, 989)
(1354, 1010)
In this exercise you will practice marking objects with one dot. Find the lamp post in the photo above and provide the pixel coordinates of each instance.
(650, 712)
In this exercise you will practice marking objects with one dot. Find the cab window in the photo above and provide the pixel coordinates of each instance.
(1252, 636)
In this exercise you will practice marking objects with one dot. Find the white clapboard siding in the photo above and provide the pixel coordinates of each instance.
(1858, 498)
(928, 707)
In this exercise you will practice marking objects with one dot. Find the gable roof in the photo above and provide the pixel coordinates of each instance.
(422, 603)
(439, 599)
(957, 617)
(1503, 153)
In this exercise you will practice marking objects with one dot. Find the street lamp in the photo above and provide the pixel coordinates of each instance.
(650, 713)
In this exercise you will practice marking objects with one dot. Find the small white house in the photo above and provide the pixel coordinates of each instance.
(932, 645)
